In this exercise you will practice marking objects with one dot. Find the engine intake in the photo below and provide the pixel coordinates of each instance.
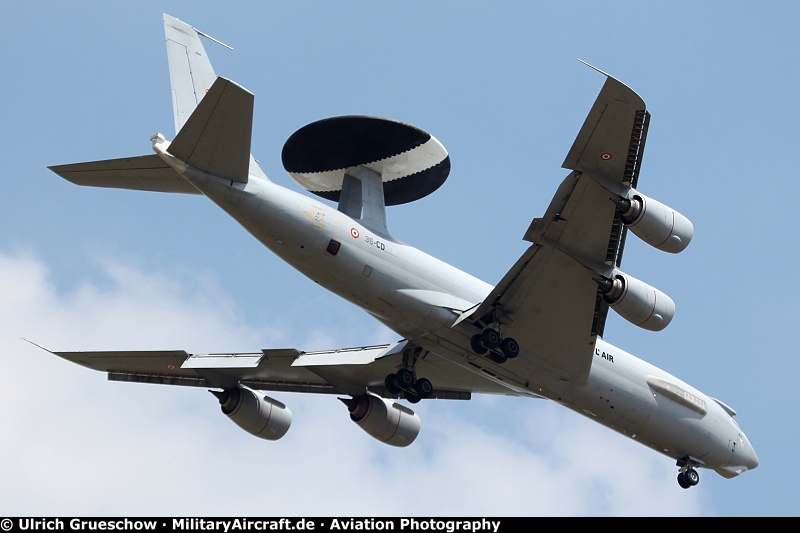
(656, 224)
(255, 412)
(385, 420)
(637, 302)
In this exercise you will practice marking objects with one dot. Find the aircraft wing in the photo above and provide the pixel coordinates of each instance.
(343, 371)
(549, 301)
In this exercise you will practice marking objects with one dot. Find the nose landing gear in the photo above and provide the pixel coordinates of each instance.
(688, 476)
(688, 479)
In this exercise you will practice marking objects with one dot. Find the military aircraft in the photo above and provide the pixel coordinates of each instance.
(537, 333)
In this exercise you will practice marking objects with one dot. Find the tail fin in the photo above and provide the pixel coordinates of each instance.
(190, 70)
(191, 77)
(216, 139)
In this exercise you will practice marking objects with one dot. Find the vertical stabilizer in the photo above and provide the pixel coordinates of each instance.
(190, 70)
(191, 74)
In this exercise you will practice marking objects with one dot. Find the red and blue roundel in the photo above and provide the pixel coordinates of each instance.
(354, 232)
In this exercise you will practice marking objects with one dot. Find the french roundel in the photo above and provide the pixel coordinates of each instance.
(354, 233)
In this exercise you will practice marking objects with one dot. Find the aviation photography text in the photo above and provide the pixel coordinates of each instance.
(230, 525)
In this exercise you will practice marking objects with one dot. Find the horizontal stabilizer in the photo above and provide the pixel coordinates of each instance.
(144, 173)
(216, 138)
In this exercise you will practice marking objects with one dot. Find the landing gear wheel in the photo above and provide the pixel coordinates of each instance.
(424, 388)
(689, 478)
(412, 396)
(692, 477)
(498, 358)
(509, 347)
(491, 338)
(391, 384)
(476, 342)
(405, 378)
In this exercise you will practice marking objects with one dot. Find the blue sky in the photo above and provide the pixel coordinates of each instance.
(499, 84)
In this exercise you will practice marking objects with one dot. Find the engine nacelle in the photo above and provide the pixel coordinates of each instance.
(385, 420)
(255, 412)
(656, 224)
(637, 302)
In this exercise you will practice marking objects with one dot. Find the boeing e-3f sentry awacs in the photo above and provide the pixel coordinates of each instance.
(538, 333)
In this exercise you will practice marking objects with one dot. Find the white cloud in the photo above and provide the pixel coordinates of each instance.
(76, 444)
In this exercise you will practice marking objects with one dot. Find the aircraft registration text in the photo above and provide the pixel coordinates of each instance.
(380, 245)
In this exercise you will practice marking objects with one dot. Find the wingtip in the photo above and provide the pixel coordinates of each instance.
(595, 68)
(613, 79)
(37, 345)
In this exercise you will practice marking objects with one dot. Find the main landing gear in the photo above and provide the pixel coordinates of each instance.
(490, 341)
(405, 380)
(688, 476)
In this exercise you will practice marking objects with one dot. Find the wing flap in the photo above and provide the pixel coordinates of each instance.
(349, 356)
(143, 173)
(223, 361)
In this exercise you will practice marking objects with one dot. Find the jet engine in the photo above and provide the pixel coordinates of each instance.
(255, 412)
(656, 224)
(637, 302)
(383, 419)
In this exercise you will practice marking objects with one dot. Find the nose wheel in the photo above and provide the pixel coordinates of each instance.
(688, 476)
(688, 479)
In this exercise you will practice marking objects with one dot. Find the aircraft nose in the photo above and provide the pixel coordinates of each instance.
(752, 459)
(750, 456)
